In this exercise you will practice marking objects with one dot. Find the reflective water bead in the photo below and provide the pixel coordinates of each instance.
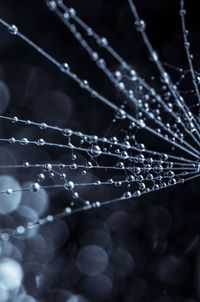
(74, 157)
(120, 114)
(172, 181)
(120, 165)
(187, 44)
(136, 170)
(149, 176)
(130, 178)
(9, 191)
(26, 164)
(158, 168)
(35, 187)
(43, 126)
(63, 176)
(13, 30)
(156, 187)
(47, 167)
(98, 204)
(121, 86)
(75, 195)
(164, 156)
(166, 77)
(69, 185)
(118, 75)
(50, 218)
(95, 151)
(89, 31)
(95, 56)
(170, 173)
(154, 56)
(20, 229)
(24, 141)
(103, 42)
(51, 5)
(72, 12)
(142, 123)
(142, 186)
(73, 166)
(30, 225)
(137, 193)
(12, 140)
(140, 25)
(67, 132)
(64, 67)
(140, 158)
(41, 177)
(68, 210)
(15, 119)
(5, 236)
(88, 165)
(182, 12)
(41, 142)
(126, 145)
(51, 175)
(127, 195)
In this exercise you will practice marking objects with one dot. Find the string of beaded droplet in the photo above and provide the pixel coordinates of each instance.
(69, 210)
(140, 170)
(143, 174)
(69, 14)
(165, 76)
(120, 114)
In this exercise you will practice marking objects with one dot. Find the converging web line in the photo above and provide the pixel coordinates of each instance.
(178, 99)
(187, 49)
(70, 13)
(84, 85)
(20, 230)
(136, 170)
(122, 87)
(89, 138)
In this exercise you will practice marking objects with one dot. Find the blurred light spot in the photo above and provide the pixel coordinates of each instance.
(137, 288)
(70, 273)
(157, 221)
(92, 260)
(119, 221)
(55, 234)
(38, 201)
(47, 103)
(11, 274)
(7, 158)
(24, 298)
(73, 299)
(9, 202)
(97, 286)
(76, 298)
(173, 270)
(27, 215)
(4, 97)
(4, 296)
(98, 237)
(8, 249)
(122, 262)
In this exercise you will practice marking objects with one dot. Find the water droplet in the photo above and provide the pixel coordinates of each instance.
(95, 151)
(140, 25)
(13, 30)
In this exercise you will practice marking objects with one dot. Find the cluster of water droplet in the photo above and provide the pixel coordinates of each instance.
(132, 168)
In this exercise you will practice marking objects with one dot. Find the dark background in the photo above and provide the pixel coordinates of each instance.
(160, 230)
